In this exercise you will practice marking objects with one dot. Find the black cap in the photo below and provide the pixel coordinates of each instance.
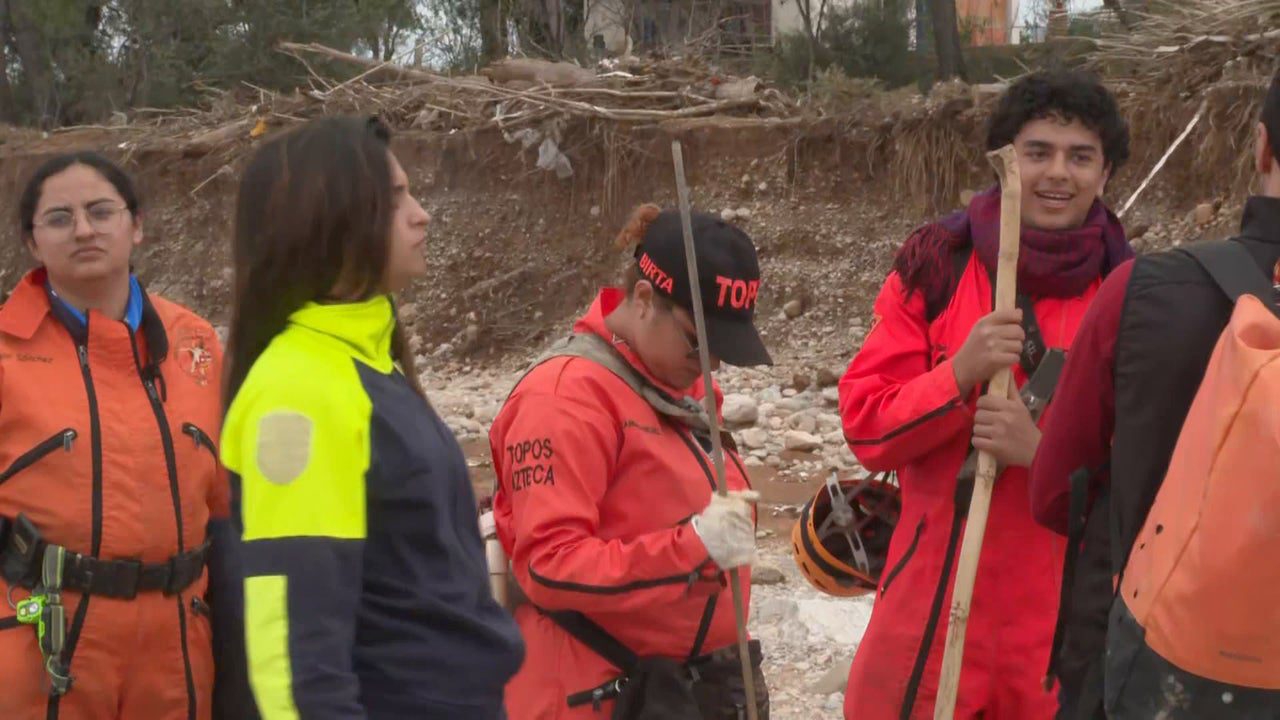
(728, 276)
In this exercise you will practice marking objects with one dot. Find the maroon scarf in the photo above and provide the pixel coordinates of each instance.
(1061, 263)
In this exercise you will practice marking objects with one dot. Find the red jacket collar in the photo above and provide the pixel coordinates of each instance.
(27, 307)
(593, 321)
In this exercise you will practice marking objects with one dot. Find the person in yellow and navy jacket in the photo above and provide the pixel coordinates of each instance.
(366, 591)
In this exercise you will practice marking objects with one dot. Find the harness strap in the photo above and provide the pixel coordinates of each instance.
(595, 348)
(22, 555)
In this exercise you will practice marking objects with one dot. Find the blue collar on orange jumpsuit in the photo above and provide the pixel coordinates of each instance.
(132, 308)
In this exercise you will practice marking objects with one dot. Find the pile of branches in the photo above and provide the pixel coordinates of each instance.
(508, 95)
(1195, 71)
(1189, 46)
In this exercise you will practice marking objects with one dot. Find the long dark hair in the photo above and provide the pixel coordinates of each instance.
(314, 207)
(109, 171)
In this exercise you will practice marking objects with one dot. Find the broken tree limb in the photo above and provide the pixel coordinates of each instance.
(1165, 158)
(1005, 161)
(390, 68)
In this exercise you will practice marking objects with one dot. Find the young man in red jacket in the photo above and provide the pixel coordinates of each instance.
(910, 402)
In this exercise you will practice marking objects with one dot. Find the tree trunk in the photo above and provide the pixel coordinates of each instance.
(922, 25)
(946, 39)
(493, 35)
(36, 68)
(8, 110)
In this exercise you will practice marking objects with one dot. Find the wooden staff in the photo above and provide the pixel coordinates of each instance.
(713, 417)
(1005, 161)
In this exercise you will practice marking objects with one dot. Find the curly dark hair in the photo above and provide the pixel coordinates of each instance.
(1070, 95)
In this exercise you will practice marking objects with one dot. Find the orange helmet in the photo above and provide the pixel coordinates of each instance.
(841, 540)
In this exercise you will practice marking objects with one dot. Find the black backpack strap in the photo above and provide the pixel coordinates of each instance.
(585, 631)
(1234, 270)
(1034, 348)
(1077, 515)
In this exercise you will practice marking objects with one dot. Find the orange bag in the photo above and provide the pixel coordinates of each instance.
(1197, 631)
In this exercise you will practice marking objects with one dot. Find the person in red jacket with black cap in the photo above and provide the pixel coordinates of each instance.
(605, 500)
(910, 403)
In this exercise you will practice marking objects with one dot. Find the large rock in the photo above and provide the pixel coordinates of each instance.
(801, 441)
(755, 438)
(740, 410)
(793, 309)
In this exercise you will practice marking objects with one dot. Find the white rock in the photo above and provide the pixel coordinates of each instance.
(754, 438)
(831, 396)
(803, 441)
(767, 409)
(728, 214)
(740, 410)
(773, 461)
(743, 213)
(841, 622)
(775, 610)
(794, 403)
(775, 422)
(753, 462)
(789, 392)
(835, 680)
(829, 421)
(834, 438)
(803, 422)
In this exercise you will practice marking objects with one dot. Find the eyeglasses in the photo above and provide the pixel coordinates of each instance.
(102, 219)
(690, 337)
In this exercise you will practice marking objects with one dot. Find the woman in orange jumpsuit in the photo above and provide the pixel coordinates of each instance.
(605, 501)
(109, 478)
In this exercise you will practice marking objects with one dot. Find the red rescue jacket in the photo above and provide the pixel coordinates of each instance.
(595, 491)
(902, 411)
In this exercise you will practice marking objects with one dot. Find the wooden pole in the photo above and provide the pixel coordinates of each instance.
(713, 417)
(1005, 161)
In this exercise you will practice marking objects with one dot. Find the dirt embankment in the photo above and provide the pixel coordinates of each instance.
(515, 250)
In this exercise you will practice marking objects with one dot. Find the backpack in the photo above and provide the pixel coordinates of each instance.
(1194, 631)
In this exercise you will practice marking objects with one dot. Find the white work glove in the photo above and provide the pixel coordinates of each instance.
(727, 530)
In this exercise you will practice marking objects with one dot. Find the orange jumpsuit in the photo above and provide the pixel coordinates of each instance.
(108, 461)
(595, 491)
